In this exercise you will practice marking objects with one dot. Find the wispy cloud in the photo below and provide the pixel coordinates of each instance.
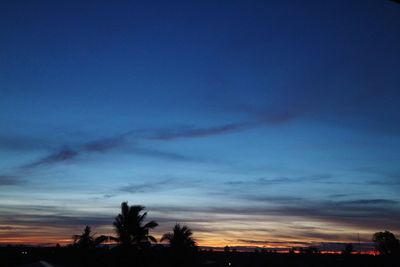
(383, 214)
(167, 155)
(270, 242)
(154, 186)
(124, 140)
(104, 145)
(273, 199)
(370, 202)
(384, 182)
(63, 155)
(146, 187)
(300, 179)
(57, 220)
(39, 215)
(188, 132)
(10, 180)
(195, 132)
(338, 195)
(67, 154)
(323, 178)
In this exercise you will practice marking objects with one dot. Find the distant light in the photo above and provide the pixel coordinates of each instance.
(229, 263)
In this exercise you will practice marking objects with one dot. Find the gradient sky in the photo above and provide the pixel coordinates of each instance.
(257, 123)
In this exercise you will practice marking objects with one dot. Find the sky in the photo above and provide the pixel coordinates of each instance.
(256, 123)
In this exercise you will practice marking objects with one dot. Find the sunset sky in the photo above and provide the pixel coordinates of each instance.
(257, 123)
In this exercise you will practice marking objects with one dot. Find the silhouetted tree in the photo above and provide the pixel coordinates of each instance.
(131, 229)
(87, 240)
(182, 245)
(180, 238)
(84, 240)
(386, 243)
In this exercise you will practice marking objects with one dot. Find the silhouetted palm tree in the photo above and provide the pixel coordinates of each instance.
(180, 238)
(87, 239)
(130, 228)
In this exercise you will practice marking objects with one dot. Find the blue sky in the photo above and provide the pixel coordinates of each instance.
(273, 120)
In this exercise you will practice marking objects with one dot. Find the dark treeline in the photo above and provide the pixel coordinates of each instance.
(133, 245)
(161, 257)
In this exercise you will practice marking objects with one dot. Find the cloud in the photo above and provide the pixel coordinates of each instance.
(171, 134)
(269, 242)
(281, 180)
(103, 145)
(195, 132)
(123, 140)
(67, 154)
(153, 186)
(57, 220)
(46, 223)
(10, 180)
(48, 215)
(384, 183)
(62, 155)
(302, 179)
(141, 188)
(6, 228)
(155, 153)
(274, 199)
(381, 215)
(369, 202)
(338, 195)
(321, 235)
(104, 196)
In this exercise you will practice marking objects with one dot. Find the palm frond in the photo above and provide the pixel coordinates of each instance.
(129, 226)
(151, 225)
(152, 238)
(166, 237)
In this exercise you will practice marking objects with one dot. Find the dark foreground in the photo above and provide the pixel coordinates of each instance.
(70, 257)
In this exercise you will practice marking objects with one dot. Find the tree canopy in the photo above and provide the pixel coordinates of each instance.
(386, 243)
(131, 228)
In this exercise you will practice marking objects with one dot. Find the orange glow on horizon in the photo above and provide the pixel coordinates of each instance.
(213, 235)
(216, 246)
